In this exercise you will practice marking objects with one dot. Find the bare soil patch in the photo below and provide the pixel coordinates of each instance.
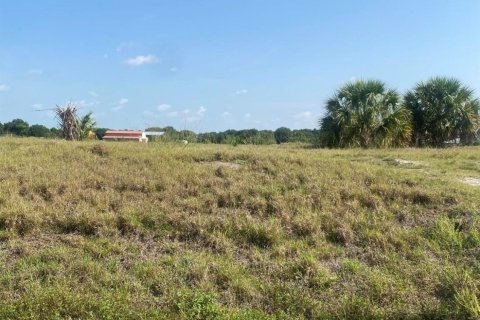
(403, 161)
(471, 181)
(230, 165)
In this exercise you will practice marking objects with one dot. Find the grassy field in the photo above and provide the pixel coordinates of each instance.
(134, 231)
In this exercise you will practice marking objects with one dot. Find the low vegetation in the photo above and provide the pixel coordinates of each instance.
(92, 230)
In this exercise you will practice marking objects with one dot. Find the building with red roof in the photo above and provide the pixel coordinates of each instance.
(125, 135)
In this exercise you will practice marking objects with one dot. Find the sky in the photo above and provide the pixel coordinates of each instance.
(222, 64)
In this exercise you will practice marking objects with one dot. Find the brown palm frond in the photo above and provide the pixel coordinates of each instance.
(68, 121)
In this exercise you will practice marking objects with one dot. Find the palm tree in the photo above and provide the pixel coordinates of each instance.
(365, 113)
(87, 125)
(443, 110)
(68, 121)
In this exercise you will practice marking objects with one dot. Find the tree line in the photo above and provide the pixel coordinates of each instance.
(366, 113)
(363, 113)
(19, 127)
(236, 137)
(22, 128)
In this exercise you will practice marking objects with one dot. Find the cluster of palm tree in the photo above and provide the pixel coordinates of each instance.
(366, 113)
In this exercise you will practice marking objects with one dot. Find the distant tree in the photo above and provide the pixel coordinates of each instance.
(282, 135)
(87, 126)
(170, 134)
(247, 136)
(208, 137)
(1, 128)
(38, 130)
(155, 129)
(188, 135)
(365, 114)
(18, 127)
(100, 132)
(443, 109)
(305, 136)
(54, 132)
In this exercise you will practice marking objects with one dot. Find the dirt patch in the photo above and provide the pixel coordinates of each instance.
(222, 164)
(403, 161)
(471, 181)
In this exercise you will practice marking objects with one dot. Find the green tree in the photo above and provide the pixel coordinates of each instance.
(54, 132)
(365, 113)
(443, 109)
(87, 126)
(38, 130)
(18, 127)
(100, 132)
(282, 135)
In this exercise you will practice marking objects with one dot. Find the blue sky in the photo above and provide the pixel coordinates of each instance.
(213, 65)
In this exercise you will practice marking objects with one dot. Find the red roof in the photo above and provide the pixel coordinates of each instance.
(137, 132)
(123, 135)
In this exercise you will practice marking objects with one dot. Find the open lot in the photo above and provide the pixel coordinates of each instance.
(128, 231)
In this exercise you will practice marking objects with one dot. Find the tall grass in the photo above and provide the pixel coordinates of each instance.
(142, 231)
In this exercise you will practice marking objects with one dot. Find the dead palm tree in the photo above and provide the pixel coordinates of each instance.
(68, 121)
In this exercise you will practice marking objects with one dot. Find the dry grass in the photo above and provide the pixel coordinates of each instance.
(124, 230)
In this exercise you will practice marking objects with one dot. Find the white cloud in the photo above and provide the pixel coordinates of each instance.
(120, 104)
(37, 105)
(172, 114)
(306, 115)
(93, 94)
(226, 114)
(173, 69)
(4, 87)
(84, 103)
(240, 92)
(163, 107)
(247, 115)
(194, 116)
(142, 60)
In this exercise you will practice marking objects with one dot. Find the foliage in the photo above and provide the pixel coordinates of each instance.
(22, 128)
(365, 114)
(257, 137)
(443, 110)
(198, 306)
(282, 135)
(87, 126)
(18, 127)
(100, 132)
(245, 232)
(38, 130)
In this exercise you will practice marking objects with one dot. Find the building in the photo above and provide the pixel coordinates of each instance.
(125, 135)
